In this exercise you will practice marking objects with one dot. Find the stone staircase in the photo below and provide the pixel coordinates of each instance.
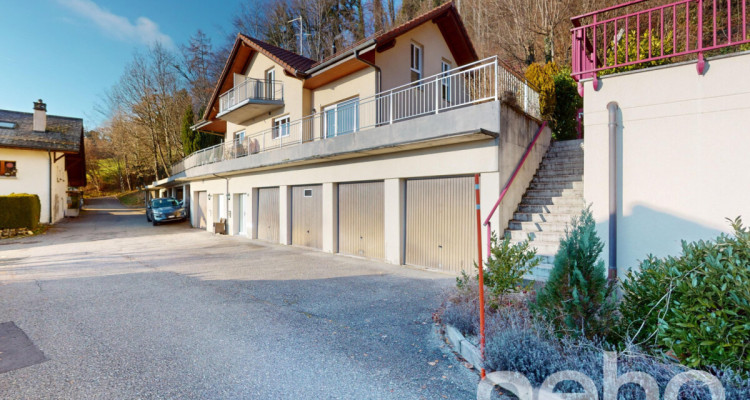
(553, 198)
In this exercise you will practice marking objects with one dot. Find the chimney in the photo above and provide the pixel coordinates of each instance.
(40, 116)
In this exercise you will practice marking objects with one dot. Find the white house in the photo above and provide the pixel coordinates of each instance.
(41, 154)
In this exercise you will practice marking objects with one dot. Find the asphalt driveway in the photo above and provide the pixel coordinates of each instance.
(122, 309)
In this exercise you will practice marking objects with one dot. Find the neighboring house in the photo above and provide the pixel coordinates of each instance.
(676, 162)
(371, 152)
(41, 154)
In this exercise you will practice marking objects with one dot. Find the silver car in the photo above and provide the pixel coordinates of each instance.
(165, 209)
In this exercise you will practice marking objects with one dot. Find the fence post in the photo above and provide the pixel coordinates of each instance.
(701, 65)
(497, 78)
(390, 101)
(437, 93)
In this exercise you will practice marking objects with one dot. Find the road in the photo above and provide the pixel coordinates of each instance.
(122, 309)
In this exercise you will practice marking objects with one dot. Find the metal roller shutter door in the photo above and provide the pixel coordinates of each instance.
(441, 223)
(307, 216)
(361, 219)
(268, 214)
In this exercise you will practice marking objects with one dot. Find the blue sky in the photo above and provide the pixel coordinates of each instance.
(70, 52)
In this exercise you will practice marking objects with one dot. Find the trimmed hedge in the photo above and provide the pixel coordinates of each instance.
(20, 210)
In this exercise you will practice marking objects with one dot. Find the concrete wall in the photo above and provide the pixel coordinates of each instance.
(683, 154)
(33, 178)
(395, 62)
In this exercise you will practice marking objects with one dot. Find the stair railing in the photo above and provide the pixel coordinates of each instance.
(507, 186)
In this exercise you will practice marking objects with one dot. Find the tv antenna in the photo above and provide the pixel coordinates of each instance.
(301, 33)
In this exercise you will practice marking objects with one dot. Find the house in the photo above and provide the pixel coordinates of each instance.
(371, 152)
(666, 146)
(41, 154)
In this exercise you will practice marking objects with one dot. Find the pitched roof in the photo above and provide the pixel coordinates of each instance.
(62, 134)
(292, 62)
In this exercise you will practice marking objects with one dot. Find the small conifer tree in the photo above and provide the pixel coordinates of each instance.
(578, 299)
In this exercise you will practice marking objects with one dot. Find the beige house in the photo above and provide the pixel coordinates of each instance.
(41, 154)
(371, 152)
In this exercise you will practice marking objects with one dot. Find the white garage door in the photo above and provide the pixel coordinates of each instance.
(361, 211)
(307, 216)
(441, 223)
(268, 214)
(201, 210)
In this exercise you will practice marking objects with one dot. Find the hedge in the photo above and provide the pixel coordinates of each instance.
(19, 211)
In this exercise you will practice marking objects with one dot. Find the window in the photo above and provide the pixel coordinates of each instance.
(280, 127)
(270, 78)
(341, 118)
(307, 193)
(7, 125)
(416, 62)
(445, 83)
(239, 136)
(7, 168)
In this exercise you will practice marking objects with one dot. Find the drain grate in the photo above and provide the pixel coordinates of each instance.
(16, 349)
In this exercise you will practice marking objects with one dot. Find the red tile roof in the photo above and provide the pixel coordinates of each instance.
(292, 62)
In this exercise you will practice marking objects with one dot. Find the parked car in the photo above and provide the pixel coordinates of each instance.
(165, 209)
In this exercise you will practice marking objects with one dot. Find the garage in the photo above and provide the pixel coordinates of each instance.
(360, 217)
(307, 216)
(201, 208)
(441, 223)
(268, 214)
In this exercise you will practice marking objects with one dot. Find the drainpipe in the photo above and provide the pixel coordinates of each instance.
(49, 191)
(612, 107)
(377, 70)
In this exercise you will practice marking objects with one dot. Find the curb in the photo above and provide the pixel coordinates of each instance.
(463, 347)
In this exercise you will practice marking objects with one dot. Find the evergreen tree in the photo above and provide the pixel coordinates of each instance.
(189, 137)
(578, 299)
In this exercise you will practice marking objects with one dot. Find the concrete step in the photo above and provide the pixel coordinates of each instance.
(533, 236)
(554, 209)
(557, 186)
(545, 248)
(556, 201)
(554, 193)
(577, 143)
(543, 217)
(557, 178)
(540, 273)
(533, 226)
(558, 165)
(553, 154)
(558, 172)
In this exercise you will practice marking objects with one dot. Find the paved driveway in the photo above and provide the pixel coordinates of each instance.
(122, 309)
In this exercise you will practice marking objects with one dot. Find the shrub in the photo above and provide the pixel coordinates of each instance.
(541, 76)
(19, 211)
(567, 103)
(634, 52)
(578, 299)
(461, 309)
(507, 265)
(697, 305)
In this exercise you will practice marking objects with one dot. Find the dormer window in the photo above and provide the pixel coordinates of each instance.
(7, 125)
(416, 62)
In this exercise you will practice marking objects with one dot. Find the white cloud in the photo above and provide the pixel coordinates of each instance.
(143, 30)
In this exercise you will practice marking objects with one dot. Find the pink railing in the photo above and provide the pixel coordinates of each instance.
(603, 40)
(487, 222)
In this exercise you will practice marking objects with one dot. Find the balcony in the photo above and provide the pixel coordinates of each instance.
(250, 98)
(645, 33)
(340, 131)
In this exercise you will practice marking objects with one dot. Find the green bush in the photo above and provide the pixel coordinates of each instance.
(635, 52)
(567, 103)
(19, 211)
(541, 76)
(697, 305)
(578, 299)
(505, 268)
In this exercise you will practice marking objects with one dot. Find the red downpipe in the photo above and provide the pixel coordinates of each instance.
(481, 272)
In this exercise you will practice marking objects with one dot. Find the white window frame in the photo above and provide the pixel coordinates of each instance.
(445, 83)
(416, 63)
(354, 101)
(239, 136)
(270, 78)
(281, 127)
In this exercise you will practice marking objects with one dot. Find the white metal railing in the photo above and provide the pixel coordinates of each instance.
(251, 88)
(480, 81)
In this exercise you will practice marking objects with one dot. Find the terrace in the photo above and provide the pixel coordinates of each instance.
(464, 87)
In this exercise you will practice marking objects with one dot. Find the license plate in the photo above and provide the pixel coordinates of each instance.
(171, 216)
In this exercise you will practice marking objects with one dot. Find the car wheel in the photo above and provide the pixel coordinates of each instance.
(148, 219)
(155, 223)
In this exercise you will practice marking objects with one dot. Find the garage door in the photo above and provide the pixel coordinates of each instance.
(268, 214)
(201, 210)
(361, 212)
(307, 216)
(441, 223)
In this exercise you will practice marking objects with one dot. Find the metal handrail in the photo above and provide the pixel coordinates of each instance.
(598, 44)
(251, 88)
(487, 222)
(469, 84)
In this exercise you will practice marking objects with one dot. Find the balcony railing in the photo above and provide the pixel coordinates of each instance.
(649, 32)
(251, 89)
(470, 84)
